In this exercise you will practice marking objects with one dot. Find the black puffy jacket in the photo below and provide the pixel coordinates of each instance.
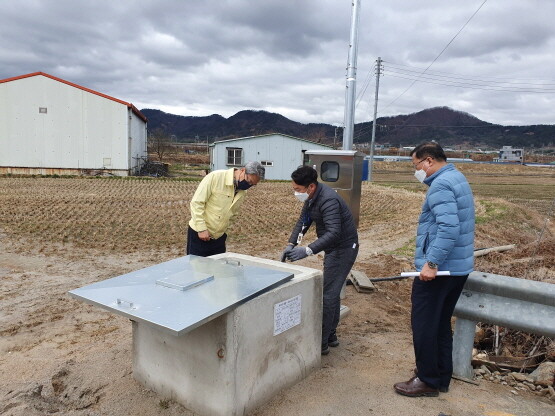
(335, 226)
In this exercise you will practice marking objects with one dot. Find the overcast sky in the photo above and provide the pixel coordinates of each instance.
(200, 57)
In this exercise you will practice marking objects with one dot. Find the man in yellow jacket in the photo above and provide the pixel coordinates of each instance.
(215, 202)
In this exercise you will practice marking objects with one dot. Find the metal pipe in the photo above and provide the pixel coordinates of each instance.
(350, 91)
(386, 279)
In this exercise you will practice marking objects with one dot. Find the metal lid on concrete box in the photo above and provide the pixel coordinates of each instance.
(181, 294)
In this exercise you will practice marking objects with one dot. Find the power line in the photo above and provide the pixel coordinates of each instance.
(367, 81)
(444, 74)
(448, 83)
(469, 79)
(437, 57)
(365, 129)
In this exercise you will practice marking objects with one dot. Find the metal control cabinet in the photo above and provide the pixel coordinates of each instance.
(342, 171)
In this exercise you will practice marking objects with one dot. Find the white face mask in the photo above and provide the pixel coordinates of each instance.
(420, 174)
(301, 196)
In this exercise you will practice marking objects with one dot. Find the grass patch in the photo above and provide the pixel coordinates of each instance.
(493, 211)
(407, 250)
(184, 169)
(164, 403)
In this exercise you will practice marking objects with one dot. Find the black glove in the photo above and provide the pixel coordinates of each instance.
(296, 253)
(288, 248)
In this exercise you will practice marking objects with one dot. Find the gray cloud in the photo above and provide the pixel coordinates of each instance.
(218, 56)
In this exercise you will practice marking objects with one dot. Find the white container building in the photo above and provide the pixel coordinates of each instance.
(509, 155)
(280, 154)
(52, 126)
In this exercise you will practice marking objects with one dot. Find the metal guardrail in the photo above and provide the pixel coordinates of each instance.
(521, 304)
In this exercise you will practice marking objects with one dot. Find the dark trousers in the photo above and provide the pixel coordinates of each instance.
(433, 303)
(198, 247)
(337, 265)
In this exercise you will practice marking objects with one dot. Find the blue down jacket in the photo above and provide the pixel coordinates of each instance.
(445, 232)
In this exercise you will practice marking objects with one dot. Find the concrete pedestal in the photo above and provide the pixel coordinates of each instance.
(234, 363)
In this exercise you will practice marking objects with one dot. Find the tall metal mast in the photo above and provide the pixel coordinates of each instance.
(351, 80)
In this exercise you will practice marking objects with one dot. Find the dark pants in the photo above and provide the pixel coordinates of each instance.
(337, 265)
(198, 247)
(433, 303)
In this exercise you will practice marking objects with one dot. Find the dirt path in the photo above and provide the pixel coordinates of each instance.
(59, 356)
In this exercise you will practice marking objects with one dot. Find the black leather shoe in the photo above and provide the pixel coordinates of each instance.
(325, 349)
(415, 388)
(332, 340)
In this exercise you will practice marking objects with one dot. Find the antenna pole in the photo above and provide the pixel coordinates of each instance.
(351, 80)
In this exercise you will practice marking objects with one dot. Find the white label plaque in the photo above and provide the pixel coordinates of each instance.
(287, 314)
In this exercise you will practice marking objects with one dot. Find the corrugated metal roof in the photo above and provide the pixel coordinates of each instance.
(129, 105)
(270, 134)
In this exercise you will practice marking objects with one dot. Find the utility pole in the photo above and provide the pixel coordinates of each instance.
(378, 72)
(351, 80)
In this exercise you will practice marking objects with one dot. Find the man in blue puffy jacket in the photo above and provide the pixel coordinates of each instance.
(444, 241)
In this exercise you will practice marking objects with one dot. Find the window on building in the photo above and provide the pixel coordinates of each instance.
(234, 156)
(329, 171)
(306, 158)
(266, 163)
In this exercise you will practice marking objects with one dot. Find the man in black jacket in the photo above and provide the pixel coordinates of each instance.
(337, 237)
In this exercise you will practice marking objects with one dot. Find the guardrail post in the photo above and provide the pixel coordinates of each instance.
(463, 342)
(510, 302)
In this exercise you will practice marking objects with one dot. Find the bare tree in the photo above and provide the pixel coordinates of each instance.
(318, 135)
(159, 142)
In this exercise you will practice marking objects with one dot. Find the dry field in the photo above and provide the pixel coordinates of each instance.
(58, 356)
(530, 186)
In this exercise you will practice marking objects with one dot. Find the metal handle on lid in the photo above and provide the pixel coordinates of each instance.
(123, 301)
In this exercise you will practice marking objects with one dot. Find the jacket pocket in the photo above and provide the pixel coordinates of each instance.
(426, 242)
(219, 203)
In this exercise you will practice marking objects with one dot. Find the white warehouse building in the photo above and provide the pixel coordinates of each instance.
(280, 154)
(52, 126)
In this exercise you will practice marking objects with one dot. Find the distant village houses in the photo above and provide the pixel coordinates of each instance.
(510, 155)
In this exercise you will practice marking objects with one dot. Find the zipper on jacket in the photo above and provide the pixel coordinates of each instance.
(425, 245)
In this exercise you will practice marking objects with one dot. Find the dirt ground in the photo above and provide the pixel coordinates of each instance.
(60, 356)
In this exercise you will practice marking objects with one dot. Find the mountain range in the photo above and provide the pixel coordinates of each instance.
(443, 124)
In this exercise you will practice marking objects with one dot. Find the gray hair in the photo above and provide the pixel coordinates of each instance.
(255, 168)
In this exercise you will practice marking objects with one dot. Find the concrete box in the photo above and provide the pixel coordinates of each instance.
(234, 363)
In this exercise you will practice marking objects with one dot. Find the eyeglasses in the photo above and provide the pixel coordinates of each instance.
(301, 189)
(415, 166)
